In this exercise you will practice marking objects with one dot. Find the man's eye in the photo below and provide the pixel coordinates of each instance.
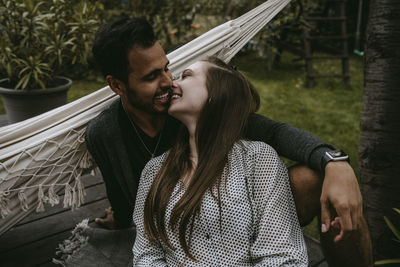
(150, 77)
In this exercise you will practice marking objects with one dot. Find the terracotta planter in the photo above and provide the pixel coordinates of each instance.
(23, 104)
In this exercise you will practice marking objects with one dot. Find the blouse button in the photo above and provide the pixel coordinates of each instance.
(207, 236)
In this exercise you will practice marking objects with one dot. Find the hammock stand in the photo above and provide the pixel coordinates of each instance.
(46, 154)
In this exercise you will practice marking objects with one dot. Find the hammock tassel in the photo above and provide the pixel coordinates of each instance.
(4, 210)
(95, 171)
(53, 197)
(86, 161)
(74, 203)
(42, 199)
(67, 196)
(23, 200)
(80, 190)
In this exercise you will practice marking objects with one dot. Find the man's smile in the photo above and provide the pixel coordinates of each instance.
(162, 98)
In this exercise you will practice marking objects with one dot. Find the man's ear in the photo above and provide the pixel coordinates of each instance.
(116, 85)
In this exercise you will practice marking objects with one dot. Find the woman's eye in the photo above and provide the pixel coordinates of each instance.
(185, 74)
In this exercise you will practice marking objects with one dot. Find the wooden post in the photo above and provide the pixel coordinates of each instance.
(339, 17)
(345, 58)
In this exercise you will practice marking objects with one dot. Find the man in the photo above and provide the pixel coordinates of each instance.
(125, 136)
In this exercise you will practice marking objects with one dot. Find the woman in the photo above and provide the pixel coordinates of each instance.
(214, 199)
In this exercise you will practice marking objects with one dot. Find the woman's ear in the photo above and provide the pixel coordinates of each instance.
(116, 85)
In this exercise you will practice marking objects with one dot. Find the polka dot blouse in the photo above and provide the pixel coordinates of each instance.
(259, 221)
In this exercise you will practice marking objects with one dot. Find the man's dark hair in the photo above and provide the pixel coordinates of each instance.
(114, 41)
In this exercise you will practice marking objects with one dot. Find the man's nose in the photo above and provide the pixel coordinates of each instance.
(166, 79)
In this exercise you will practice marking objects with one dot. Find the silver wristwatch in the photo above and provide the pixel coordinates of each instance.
(335, 155)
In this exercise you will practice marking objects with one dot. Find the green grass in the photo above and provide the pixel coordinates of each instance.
(84, 87)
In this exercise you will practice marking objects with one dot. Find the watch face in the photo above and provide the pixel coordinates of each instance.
(336, 153)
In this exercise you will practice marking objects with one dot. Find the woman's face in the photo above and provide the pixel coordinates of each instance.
(189, 93)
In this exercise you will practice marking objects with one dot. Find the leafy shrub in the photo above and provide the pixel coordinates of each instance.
(41, 39)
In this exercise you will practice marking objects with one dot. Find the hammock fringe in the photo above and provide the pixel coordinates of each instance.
(80, 191)
(67, 196)
(42, 199)
(4, 210)
(53, 197)
(87, 161)
(23, 200)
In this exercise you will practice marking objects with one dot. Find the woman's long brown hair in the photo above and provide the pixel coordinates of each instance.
(222, 122)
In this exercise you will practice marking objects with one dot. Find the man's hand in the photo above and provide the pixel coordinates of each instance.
(107, 222)
(340, 191)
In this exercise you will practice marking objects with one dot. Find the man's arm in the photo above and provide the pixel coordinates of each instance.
(288, 141)
(121, 210)
(120, 216)
(340, 186)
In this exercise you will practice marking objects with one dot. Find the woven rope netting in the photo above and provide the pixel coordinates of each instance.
(43, 157)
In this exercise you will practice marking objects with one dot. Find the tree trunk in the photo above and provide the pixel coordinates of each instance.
(379, 154)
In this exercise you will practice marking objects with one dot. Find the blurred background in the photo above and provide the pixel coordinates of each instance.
(307, 63)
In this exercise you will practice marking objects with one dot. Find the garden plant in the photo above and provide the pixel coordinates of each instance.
(42, 39)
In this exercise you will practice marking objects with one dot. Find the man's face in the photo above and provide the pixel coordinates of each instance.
(149, 80)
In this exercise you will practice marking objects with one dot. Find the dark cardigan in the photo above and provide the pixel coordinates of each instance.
(114, 147)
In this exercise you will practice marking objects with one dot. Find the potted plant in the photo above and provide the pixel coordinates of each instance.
(40, 41)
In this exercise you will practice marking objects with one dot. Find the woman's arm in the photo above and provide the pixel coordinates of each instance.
(278, 238)
(145, 253)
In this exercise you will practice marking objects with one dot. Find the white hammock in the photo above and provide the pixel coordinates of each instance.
(44, 155)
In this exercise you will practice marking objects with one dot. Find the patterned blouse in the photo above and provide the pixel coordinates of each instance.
(259, 222)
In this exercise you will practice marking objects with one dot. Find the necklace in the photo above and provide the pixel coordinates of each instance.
(140, 138)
